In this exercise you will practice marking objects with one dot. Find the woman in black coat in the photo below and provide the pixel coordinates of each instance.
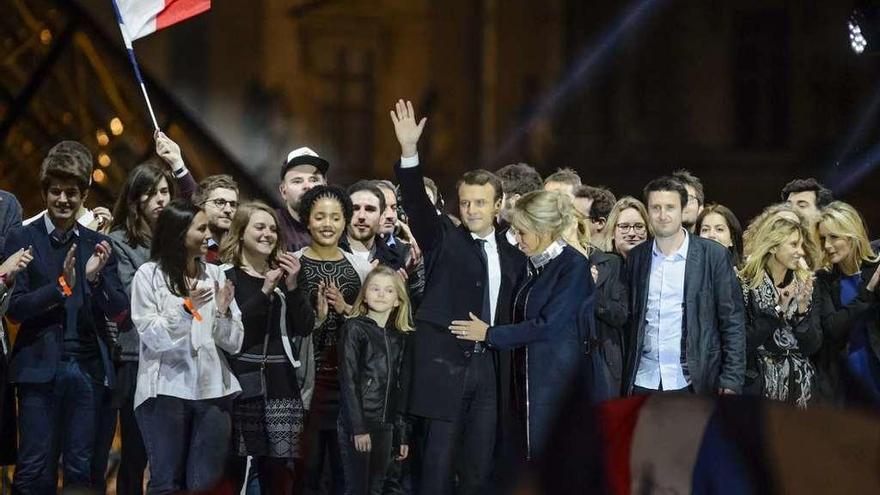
(611, 310)
(551, 317)
(850, 309)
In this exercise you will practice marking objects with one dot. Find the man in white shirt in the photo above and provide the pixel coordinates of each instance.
(688, 328)
(457, 386)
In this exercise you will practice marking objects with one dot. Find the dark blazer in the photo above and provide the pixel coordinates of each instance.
(39, 305)
(713, 320)
(557, 319)
(612, 316)
(837, 322)
(454, 277)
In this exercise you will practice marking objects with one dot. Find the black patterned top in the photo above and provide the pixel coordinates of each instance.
(343, 274)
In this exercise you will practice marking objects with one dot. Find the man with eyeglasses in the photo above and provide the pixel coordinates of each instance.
(696, 198)
(218, 196)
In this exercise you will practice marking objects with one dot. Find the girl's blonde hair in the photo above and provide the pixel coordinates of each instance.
(232, 244)
(767, 235)
(402, 314)
(548, 212)
(842, 220)
(624, 203)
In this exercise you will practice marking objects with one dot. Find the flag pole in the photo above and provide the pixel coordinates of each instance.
(134, 64)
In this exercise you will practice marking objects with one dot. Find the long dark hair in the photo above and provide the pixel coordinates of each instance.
(169, 243)
(127, 215)
(733, 225)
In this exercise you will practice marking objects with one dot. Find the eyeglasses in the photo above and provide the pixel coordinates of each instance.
(221, 203)
(638, 228)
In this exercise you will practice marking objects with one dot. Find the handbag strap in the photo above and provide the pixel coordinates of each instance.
(268, 326)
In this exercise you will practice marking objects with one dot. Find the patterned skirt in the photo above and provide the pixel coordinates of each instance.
(271, 426)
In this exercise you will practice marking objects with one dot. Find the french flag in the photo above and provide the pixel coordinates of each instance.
(144, 17)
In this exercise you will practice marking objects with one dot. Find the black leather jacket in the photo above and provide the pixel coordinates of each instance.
(372, 383)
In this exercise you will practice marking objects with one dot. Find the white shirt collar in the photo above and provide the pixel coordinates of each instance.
(680, 253)
(50, 227)
(552, 251)
(490, 238)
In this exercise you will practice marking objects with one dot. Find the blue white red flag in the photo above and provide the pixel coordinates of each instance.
(144, 17)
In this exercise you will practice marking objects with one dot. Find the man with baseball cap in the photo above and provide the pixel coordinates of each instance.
(302, 170)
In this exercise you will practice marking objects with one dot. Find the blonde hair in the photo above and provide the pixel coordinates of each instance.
(767, 235)
(402, 314)
(785, 210)
(577, 235)
(842, 220)
(624, 203)
(232, 244)
(548, 212)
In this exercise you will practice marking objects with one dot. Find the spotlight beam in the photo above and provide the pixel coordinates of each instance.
(587, 61)
(857, 170)
(856, 132)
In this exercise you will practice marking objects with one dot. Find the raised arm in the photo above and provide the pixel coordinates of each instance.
(169, 151)
(423, 218)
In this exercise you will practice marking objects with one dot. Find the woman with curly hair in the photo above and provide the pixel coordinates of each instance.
(782, 329)
(331, 279)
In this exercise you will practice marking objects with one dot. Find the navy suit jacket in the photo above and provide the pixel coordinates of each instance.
(38, 304)
(557, 325)
(454, 278)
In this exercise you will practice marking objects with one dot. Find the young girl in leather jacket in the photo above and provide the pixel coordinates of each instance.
(372, 428)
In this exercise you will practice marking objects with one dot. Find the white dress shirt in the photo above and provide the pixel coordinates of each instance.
(179, 355)
(661, 360)
(490, 247)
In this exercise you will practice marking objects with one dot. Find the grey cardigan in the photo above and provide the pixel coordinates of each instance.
(129, 259)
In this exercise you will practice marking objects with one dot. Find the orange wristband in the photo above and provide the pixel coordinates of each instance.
(189, 306)
(64, 287)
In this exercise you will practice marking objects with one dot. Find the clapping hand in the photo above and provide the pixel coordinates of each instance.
(97, 261)
(270, 281)
(16, 262)
(200, 296)
(291, 267)
(336, 299)
(224, 296)
(322, 307)
(69, 267)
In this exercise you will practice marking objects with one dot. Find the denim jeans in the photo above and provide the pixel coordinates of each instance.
(58, 418)
(187, 442)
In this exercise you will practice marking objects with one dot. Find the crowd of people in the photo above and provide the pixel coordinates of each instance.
(366, 340)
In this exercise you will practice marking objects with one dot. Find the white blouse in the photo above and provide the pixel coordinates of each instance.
(178, 354)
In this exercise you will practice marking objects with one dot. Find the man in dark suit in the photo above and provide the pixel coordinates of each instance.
(688, 327)
(469, 270)
(61, 359)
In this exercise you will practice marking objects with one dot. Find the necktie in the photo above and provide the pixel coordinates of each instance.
(61, 238)
(486, 311)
